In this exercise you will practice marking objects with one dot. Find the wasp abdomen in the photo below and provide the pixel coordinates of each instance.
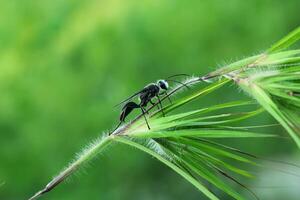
(127, 108)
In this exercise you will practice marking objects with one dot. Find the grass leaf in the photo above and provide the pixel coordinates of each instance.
(286, 42)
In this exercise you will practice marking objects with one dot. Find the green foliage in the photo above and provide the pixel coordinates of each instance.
(273, 80)
(286, 42)
(180, 140)
(63, 67)
(274, 83)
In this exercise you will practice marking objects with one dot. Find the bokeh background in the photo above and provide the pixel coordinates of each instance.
(65, 64)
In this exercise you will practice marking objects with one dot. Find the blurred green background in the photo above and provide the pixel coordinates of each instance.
(65, 64)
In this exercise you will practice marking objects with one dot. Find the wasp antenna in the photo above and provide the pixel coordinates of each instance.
(177, 75)
(117, 105)
(179, 83)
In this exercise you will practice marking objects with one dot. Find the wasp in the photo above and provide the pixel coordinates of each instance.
(146, 96)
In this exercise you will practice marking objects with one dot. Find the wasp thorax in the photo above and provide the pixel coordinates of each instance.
(163, 84)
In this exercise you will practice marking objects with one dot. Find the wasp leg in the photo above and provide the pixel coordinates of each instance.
(143, 111)
(159, 101)
(154, 104)
(168, 97)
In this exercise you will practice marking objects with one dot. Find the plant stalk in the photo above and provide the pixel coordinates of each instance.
(85, 156)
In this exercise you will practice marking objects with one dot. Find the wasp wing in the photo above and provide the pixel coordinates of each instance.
(131, 97)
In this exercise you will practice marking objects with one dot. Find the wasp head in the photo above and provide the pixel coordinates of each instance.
(163, 84)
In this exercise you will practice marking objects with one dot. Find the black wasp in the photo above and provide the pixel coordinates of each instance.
(146, 96)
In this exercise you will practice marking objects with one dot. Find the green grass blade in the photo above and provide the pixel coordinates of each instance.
(178, 170)
(212, 150)
(189, 145)
(201, 133)
(212, 87)
(207, 174)
(286, 42)
(264, 99)
(202, 111)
